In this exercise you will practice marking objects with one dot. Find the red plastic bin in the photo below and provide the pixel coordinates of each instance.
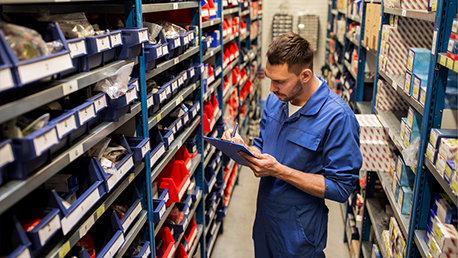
(183, 154)
(168, 243)
(190, 235)
(174, 177)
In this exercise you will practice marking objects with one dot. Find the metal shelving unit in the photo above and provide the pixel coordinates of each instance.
(170, 63)
(375, 208)
(445, 186)
(133, 232)
(419, 241)
(416, 14)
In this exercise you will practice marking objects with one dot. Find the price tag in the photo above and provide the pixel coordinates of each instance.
(69, 87)
(66, 126)
(404, 13)
(131, 177)
(192, 73)
(64, 249)
(131, 95)
(450, 63)
(165, 50)
(100, 103)
(149, 102)
(176, 60)
(77, 48)
(143, 35)
(175, 6)
(177, 42)
(100, 211)
(116, 39)
(443, 60)
(6, 155)
(45, 141)
(159, 51)
(103, 43)
(174, 85)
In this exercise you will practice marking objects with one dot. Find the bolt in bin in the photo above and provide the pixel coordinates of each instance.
(91, 189)
(6, 65)
(132, 199)
(139, 146)
(107, 235)
(132, 39)
(27, 71)
(14, 240)
(175, 178)
(157, 145)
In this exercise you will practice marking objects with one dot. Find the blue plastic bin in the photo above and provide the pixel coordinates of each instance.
(209, 180)
(27, 71)
(157, 145)
(6, 72)
(221, 213)
(120, 106)
(14, 240)
(107, 235)
(6, 148)
(84, 112)
(144, 251)
(99, 51)
(159, 209)
(116, 46)
(174, 44)
(78, 53)
(100, 104)
(152, 53)
(167, 136)
(132, 39)
(131, 198)
(139, 146)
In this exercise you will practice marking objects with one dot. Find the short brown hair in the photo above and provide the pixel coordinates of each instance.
(292, 49)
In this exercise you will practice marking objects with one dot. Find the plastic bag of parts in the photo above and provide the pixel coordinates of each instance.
(22, 126)
(410, 154)
(73, 25)
(154, 30)
(98, 149)
(175, 217)
(116, 85)
(171, 30)
(25, 43)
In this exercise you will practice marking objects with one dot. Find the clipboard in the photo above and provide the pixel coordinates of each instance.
(230, 149)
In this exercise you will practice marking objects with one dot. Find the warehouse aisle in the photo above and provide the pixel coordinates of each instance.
(236, 240)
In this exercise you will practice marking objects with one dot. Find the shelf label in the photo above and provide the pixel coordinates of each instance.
(66, 126)
(177, 42)
(102, 43)
(126, 166)
(162, 96)
(116, 39)
(183, 190)
(192, 73)
(165, 50)
(75, 152)
(174, 85)
(100, 211)
(159, 51)
(131, 95)
(86, 226)
(147, 252)
(404, 13)
(69, 221)
(132, 216)
(45, 141)
(450, 63)
(176, 60)
(86, 114)
(100, 103)
(175, 6)
(455, 67)
(157, 155)
(77, 48)
(194, 86)
(47, 231)
(149, 102)
(443, 60)
(146, 148)
(186, 40)
(6, 155)
(162, 211)
(179, 125)
(6, 79)
(159, 117)
(114, 248)
(69, 87)
(37, 70)
(171, 138)
(143, 35)
(62, 252)
(131, 177)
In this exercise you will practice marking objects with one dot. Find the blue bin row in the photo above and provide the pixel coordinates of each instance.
(77, 55)
(78, 116)
(51, 214)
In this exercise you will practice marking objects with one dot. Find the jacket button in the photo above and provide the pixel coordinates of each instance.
(327, 187)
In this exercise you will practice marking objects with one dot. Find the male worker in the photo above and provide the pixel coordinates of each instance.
(307, 150)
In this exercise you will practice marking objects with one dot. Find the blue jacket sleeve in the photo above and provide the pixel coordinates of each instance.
(342, 158)
(258, 142)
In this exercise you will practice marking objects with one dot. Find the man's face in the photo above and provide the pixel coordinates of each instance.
(285, 85)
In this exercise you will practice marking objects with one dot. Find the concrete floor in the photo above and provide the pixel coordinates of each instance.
(236, 239)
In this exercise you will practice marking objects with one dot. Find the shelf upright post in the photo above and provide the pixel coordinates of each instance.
(134, 18)
(362, 54)
(432, 117)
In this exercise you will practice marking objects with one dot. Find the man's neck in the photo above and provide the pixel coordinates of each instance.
(312, 85)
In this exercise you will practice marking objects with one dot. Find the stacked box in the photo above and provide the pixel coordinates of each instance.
(397, 239)
(388, 98)
(415, 4)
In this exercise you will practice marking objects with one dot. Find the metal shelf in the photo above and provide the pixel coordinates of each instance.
(247, 34)
(42, 1)
(159, 224)
(200, 230)
(161, 7)
(247, 60)
(211, 22)
(231, 10)
(395, 81)
(441, 180)
(403, 220)
(354, 18)
(344, 12)
(229, 67)
(195, 163)
(375, 208)
(416, 14)
(173, 103)
(173, 148)
(170, 63)
(15, 190)
(391, 121)
(420, 242)
(366, 248)
(445, 61)
(59, 7)
(212, 244)
(364, 107)
(334, 12)
(352, 40)
(132, 234)
(230, 38)
(91, 217)
(54, 90)
(211, 52)
(212, 88)
(247, 12)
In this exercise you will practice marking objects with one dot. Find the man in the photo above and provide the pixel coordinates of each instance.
(307, 150)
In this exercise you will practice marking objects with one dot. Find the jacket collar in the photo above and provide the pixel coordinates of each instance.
(316, 101)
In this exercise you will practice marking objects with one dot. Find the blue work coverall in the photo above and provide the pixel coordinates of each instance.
(320, 138)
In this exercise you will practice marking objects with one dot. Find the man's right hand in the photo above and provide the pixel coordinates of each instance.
(236, 139)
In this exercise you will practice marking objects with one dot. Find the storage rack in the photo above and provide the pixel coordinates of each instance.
(146, 172)
(426, 176)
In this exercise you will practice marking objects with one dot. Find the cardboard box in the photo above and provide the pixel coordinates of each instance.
(437, 135)
(405, 199)
(448, 171)
(420, 81)
(372, 26)
(448, 148)
(418, 61)
(444, 210)
(431, 153)
(354, 250)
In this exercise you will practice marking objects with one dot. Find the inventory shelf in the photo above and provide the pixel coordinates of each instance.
(211, 22)
(211, 52)
(403, 220)
(375, 208)
(208, 156)
(212, 88)
(15, 190)
(230, 66)
(173, 103)
(210, 248)
(159, 224)
(416, 14)
(334, 12)
(420, 242)
(53, 90)
(231, 10)
(161, 7)
(132, 234)
(246, 12)
(230, 38)
(173, 148)
(391, 121)
(352, 40)
(441, 181)
(195, 164)
(191, 214)
(446, 61)
(200, 230)
(349, 68)
(211, 219)
(364, 107)
(395, 81)
(170, 63)
(354, 18)
(247, 34)
(91, 217)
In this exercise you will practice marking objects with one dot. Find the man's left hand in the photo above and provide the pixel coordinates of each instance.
(263, 165)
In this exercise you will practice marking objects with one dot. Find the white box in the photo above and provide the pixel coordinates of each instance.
(446, 238)
(448, 148)
(441, 164)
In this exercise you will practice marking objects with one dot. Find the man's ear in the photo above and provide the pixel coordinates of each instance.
(306, 75)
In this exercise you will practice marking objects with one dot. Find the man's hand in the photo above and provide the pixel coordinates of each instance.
(263, 165)
(236, 139)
